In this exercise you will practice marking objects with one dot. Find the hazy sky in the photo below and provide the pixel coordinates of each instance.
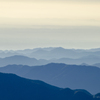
(44, 23)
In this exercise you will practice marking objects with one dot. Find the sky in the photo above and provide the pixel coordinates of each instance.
(27, 24)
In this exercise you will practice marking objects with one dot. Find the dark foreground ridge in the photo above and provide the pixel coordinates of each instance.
(60, 75)
(13, 87)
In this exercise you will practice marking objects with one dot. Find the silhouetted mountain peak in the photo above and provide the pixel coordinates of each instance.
(80, 95)
(97, 95)
(19, 57)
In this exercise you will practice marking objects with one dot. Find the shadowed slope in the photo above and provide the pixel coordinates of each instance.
(13, 87)
(61, 75)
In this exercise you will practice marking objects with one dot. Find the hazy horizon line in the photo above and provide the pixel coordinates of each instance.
(49, 47)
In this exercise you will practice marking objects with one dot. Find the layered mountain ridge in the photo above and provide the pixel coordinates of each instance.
(24, 60)
(51, 53)
(13, 87)
(60, 75)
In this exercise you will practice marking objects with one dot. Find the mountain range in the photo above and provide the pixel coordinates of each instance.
(13, 87)
(60, 75)
(51, 53)
(24, 60)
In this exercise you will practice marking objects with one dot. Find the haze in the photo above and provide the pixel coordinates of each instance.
(44, 23)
